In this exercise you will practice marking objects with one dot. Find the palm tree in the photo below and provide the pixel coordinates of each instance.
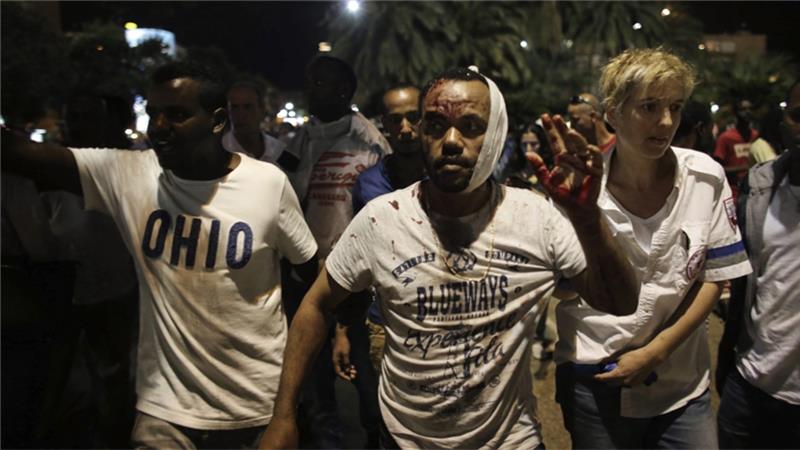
(763, 79)
(391, 42)
(601, 30)
(412, 41)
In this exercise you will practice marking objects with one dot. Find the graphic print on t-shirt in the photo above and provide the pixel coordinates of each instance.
(333, 171)
(183, 236)
(462, 320)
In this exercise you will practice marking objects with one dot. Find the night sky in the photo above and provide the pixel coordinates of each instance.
(276, 39)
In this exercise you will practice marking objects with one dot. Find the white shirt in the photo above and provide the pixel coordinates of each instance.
(212, 325)
(456, 372)
(645, 228)
(698, 241)
(272, 147)
(772, 363)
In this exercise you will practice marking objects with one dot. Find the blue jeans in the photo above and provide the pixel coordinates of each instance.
(751, 418)
(591, 415)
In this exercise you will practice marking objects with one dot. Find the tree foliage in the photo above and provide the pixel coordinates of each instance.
(35, 66)
(763, 79)
(412, 41)
(564, 43)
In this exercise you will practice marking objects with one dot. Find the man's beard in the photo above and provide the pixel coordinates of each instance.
(449, 183)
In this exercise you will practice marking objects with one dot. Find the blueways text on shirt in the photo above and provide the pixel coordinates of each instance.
(462, 297)
(185, 233)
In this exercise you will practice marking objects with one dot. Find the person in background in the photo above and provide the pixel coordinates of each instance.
(586, 117)
(758, 373)
(97, 340)
(733, 145)
(531, 139)
(332, 150)
(694, 131)
(246, 112)
(358, 342)
(768, 143)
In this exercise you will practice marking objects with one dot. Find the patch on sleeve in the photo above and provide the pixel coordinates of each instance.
(730, 210)
(695, 263)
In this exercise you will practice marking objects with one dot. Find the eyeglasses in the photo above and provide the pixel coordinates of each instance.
(395, 119)
(577, 100)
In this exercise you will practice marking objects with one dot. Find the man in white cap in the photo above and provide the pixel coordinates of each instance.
(458, 263)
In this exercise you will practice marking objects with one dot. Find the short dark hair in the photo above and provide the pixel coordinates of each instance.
(395, 87)
(340, 68)
(212, 85)
(455, 73)
(249, 84)
(692, 114)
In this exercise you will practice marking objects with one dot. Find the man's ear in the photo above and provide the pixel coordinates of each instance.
(220, 120)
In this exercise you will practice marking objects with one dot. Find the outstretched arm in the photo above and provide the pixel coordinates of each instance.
(306, 336)
(609, 283)
(51, 167)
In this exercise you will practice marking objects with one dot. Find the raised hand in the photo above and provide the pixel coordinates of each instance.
(574, 182)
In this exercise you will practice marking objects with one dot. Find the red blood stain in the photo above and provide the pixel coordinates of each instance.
(395, 205)
(451, 109)
(451, 103)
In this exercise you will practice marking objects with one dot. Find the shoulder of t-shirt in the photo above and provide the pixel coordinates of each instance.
(396, 200)
(699, 163)
(364, 132)
(528, 197)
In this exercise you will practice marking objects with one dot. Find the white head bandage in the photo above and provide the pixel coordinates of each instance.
(494, 139)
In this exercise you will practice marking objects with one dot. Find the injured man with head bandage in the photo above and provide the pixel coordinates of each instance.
(459, 264)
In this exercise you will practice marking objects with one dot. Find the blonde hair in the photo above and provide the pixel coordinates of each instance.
(642, 67)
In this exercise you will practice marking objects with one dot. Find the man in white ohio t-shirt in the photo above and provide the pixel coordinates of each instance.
(458, 263)
(212, 325)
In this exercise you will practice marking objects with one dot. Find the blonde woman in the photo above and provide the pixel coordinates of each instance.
(642, 380)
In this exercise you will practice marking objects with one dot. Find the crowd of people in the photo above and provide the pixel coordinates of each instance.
(231, 275)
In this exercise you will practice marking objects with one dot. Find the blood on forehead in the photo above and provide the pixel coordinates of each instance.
(454, 98)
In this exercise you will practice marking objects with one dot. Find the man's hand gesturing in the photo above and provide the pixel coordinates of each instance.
(574, 181)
